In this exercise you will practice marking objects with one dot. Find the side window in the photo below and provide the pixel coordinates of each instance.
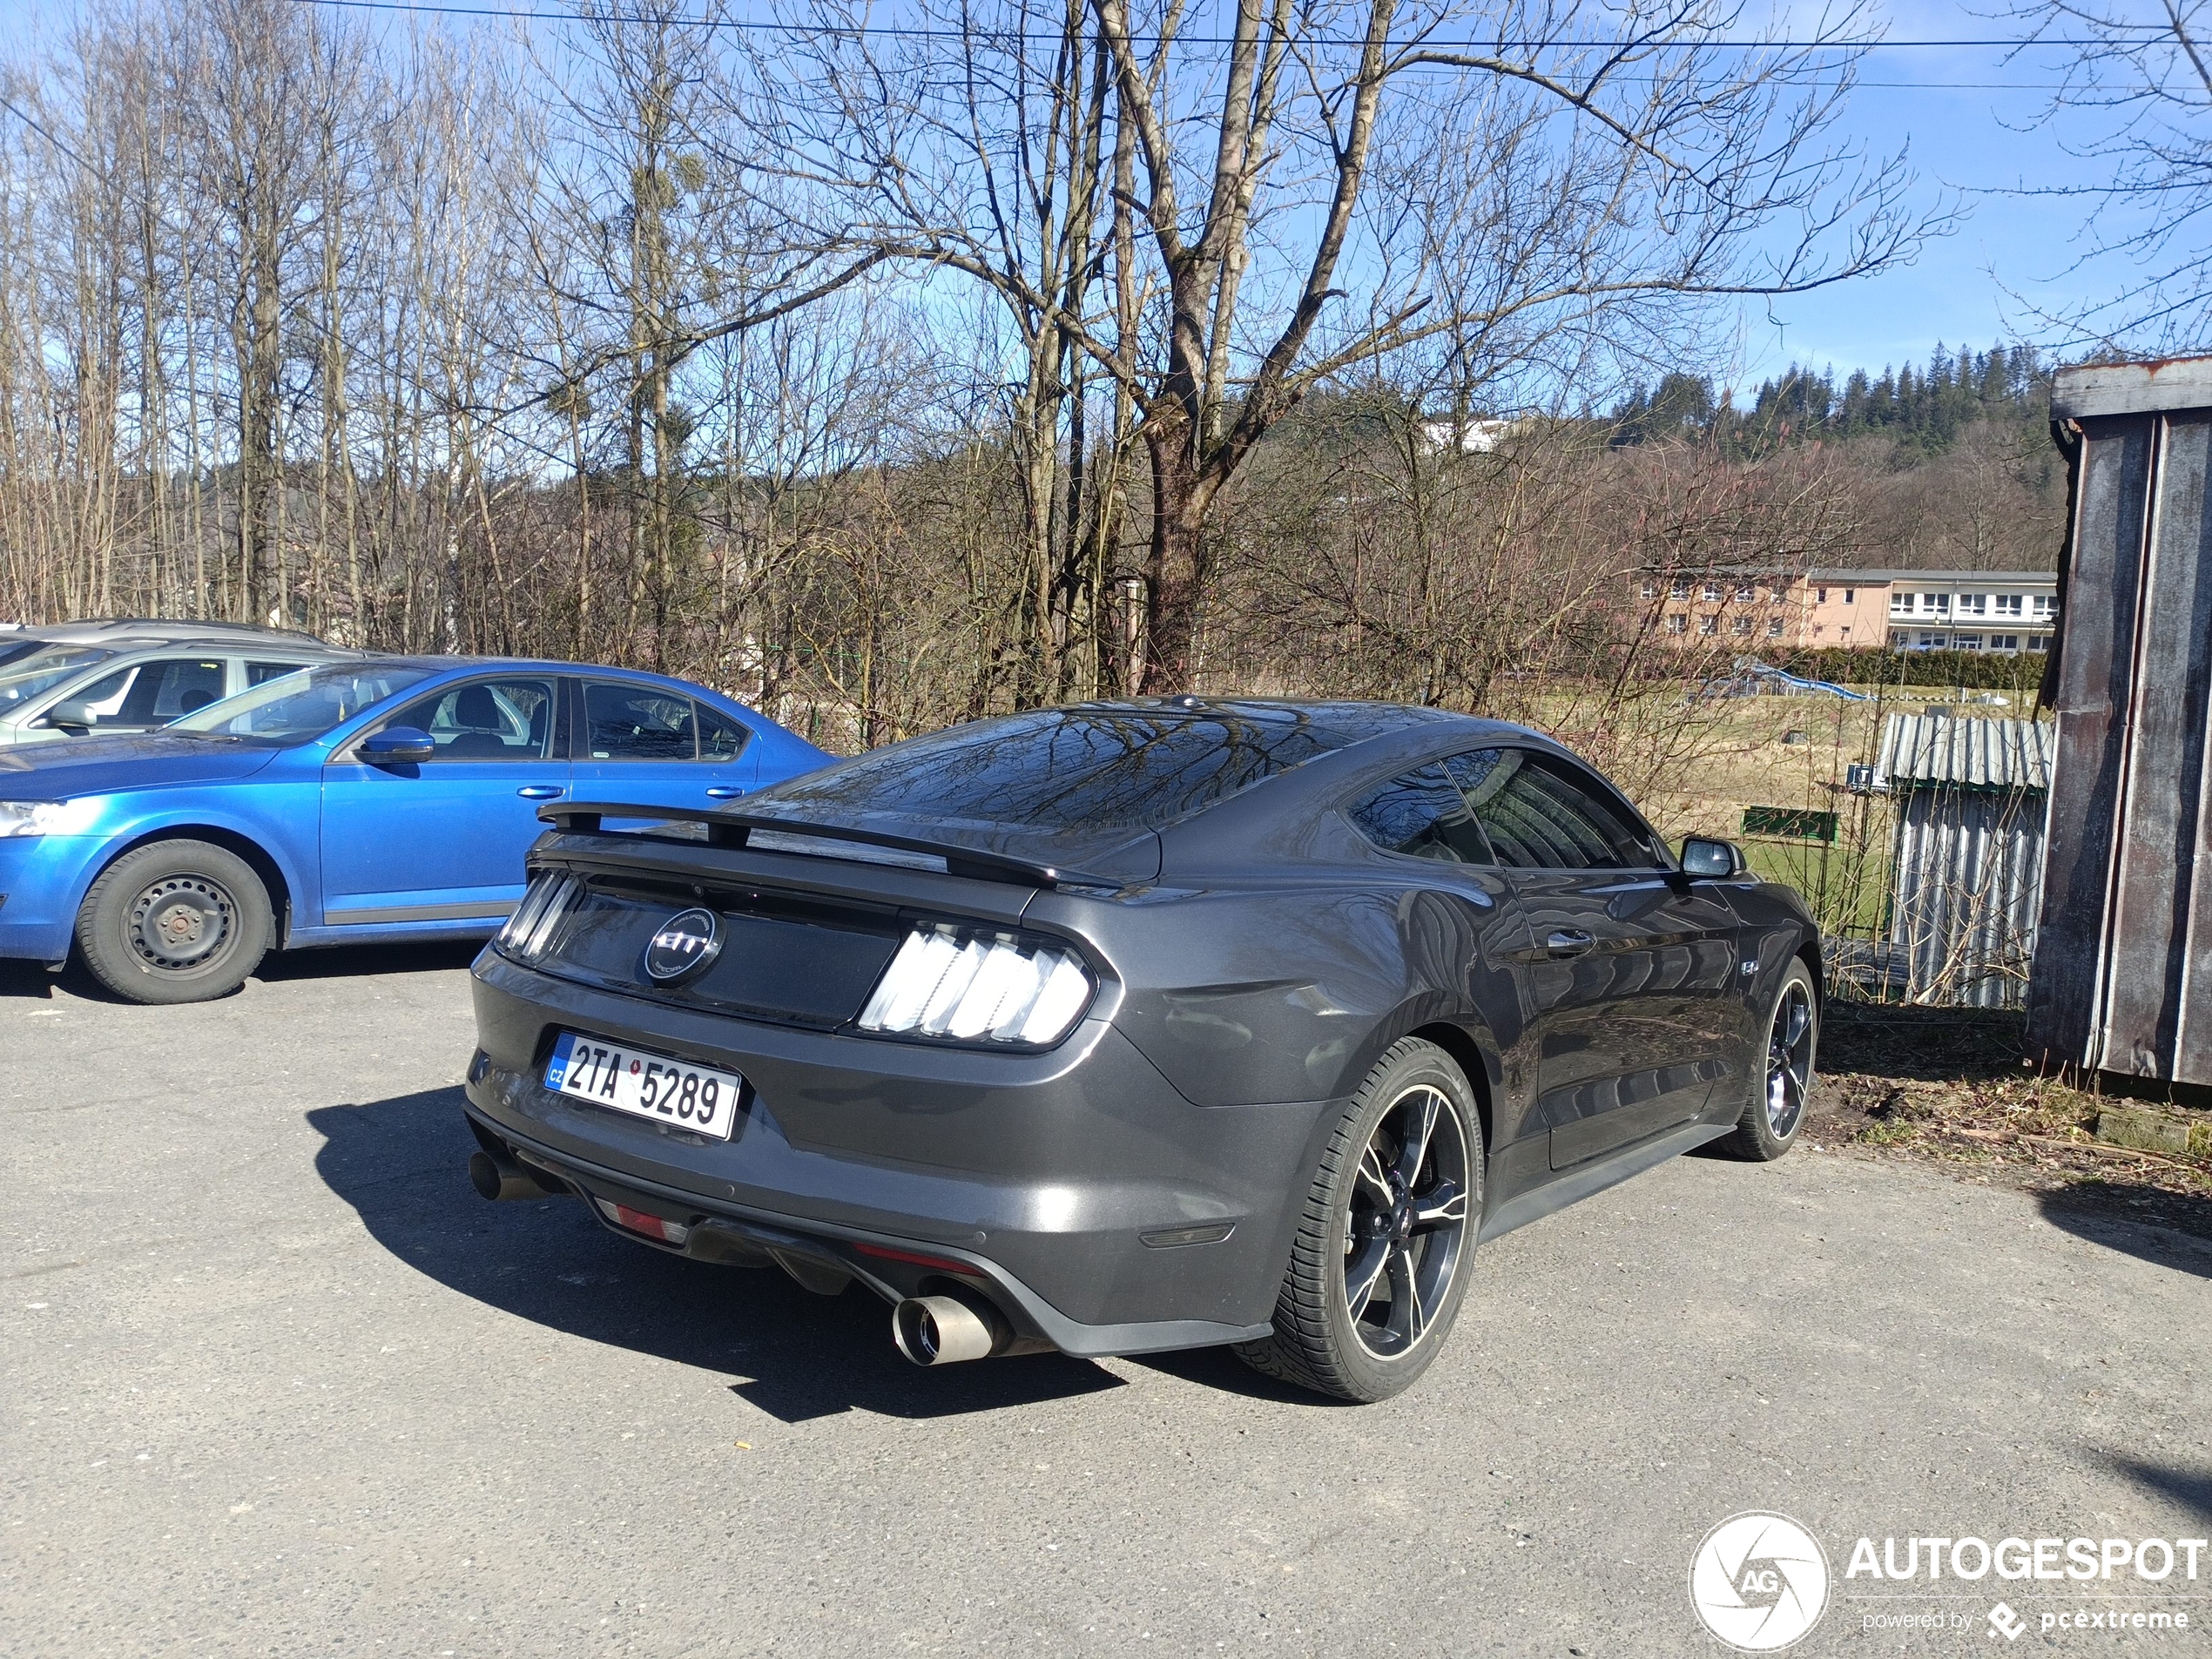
(262, 673)
(1544, 814)
(154, 693)
(1423, 813)
(485, 720)
(637, 723)
(721, 738)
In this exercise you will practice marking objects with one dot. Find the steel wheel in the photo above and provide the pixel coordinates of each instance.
(176, 923)
(1789, 1060)
(1406, 1226)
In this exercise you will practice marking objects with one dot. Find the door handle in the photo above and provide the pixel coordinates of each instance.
(541, 791)
(724, 791)
(1568, 942)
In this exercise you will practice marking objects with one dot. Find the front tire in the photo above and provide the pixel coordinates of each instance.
(1380, 1265)
(175, 921)
(1782, 1090)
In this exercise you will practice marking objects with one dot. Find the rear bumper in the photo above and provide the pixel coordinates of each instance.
(1042, 1174)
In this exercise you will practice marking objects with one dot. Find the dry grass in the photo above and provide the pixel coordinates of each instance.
(1951, 1085)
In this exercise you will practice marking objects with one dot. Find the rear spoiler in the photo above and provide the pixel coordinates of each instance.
(727, 829)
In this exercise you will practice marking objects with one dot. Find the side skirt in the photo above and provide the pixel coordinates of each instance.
(1580, 1182)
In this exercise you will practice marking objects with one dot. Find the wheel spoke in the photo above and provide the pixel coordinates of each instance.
(1363, 1272)
(1800, 1017)
(1408, 1318)
(1423, 1125)
(1443, 1203)
(1371, 1171)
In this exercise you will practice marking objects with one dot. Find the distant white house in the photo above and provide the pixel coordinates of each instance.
(1476, 437)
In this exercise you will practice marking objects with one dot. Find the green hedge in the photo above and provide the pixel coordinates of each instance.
(1974, 670)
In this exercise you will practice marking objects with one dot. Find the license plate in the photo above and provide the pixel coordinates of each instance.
(698, 1098)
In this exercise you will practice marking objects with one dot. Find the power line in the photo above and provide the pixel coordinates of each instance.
(761, 26)
(47, 135)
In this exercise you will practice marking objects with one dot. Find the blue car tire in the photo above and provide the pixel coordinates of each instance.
(174, 922)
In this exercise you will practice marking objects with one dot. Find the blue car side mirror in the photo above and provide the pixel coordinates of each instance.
(397, 746)
(1705, 857)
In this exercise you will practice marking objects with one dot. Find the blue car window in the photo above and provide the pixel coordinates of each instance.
(501, 720)
(721, 738)
(296, 708)
(637, 723)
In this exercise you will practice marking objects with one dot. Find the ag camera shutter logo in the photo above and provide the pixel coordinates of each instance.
(686, 942)
(1759, 1581)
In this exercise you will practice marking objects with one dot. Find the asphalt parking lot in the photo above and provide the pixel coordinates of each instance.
(279, 1383)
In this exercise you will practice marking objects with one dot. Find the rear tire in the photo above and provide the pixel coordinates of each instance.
(1380, 1262)
(1781, 1085)
(175, 921)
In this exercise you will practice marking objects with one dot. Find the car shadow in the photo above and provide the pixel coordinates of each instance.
(27, 982)
(400, 1163)
(2152, 1224)
(2191, 1488)
(355, 962)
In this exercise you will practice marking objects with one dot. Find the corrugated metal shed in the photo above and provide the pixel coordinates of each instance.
(1968, 882)
(1971, 753)
(2125, 936)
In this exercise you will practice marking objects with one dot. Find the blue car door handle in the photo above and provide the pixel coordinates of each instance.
(541, 791)
(724, 791)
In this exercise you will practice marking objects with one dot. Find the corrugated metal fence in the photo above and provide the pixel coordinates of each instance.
(1967, 880)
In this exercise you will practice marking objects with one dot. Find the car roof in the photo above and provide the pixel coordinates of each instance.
(167, 630)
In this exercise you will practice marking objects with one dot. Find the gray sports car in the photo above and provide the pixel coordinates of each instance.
(1137, 1026)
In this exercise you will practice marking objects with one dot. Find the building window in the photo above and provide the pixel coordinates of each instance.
(2045, 605)
(1965, 642)
(1712, 593)
(1650, 590)
(1973, 604)
(1931, 642)
(2004, 642)
(1939, 602)
(1774, 627)
(2008, 605)
(1844, 632)
(1850, 594)
(1678, 590)
(1740, 627)
(1677, 623)
(1820, 595)
(2038, 642)
(1901, 605)
(1708, 625)
(1899, 639)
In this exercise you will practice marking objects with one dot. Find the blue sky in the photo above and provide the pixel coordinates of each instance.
(1972, 122)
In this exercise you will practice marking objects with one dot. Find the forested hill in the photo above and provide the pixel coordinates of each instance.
(1921, 410)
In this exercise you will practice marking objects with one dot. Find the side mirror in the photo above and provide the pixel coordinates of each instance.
(1702, 856)
(397, 746)
(71, 712)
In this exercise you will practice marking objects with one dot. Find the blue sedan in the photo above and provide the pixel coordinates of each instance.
(374, 798)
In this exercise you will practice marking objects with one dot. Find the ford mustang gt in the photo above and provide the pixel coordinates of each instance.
(1139, 1026)
(368, 799)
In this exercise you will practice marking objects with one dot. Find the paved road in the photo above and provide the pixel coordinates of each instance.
(279, 1383)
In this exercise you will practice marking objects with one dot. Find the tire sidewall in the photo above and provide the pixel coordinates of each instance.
(1771, 1146)
(104, 924)
(1421, 1062)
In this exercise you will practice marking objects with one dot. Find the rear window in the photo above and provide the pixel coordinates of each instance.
(1060, 769)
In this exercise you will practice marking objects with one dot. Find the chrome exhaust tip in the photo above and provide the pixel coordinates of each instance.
(943, 1330)
(498, 1179)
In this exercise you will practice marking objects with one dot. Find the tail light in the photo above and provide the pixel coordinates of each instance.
(968, 986)
(530, 929)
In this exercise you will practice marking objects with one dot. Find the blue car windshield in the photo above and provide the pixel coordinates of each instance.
(297, 708)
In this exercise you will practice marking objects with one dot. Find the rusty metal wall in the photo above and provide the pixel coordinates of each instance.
(2125, 944)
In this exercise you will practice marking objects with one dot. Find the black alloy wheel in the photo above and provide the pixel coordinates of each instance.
(1379, 1264)
(1784, 1071)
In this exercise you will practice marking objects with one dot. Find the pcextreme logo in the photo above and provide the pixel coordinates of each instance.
(1759, 1581)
